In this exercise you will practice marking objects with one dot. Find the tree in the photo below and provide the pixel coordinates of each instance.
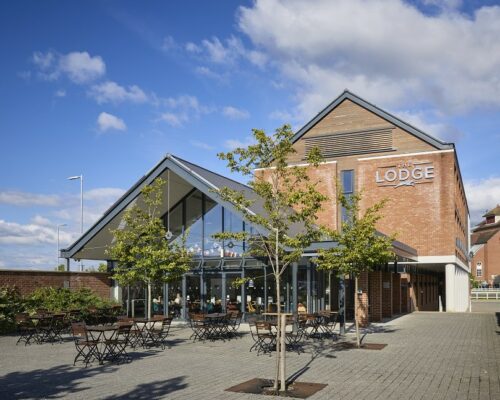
(102, 267)
(289, 199)
(141, 249)
(60, 268)
(359, 246)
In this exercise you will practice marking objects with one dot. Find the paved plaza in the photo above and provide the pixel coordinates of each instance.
(428, 356)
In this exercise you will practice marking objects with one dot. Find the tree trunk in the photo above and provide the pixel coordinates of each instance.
(283, 354)
(149, 299)
(356, 306)
(276, 386)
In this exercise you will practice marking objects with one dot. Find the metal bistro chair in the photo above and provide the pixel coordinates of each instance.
(159, 333)
(234, 322)
(200, 327)
(25, 328)
(116, 346)
(85, 348)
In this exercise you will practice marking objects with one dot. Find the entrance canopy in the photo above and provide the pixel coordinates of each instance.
(190, 200)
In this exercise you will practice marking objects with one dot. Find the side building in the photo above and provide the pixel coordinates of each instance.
(485, 249)
(366, 149)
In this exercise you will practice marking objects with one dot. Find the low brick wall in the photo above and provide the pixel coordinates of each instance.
(27, 281)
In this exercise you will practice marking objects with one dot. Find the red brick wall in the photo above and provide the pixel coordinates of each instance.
(386, 294)
(28, 281)
(396, 293)
(362, 311)
(375, 295)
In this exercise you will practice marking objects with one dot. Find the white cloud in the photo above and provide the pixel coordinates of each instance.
(39, 220)
(202, 145)
(227, 52)
(235, 113)
(193, 48)
(111, 92)
(107, 121)
(30, 234)
(182, 109)
(209, 73)
(17, 198)
(79, 67)
(482, 196)
(60, 93)
(450, 61)
(173, 119)
(232, 144)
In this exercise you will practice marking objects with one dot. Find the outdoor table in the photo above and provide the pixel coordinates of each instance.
(218, 324)
(144, 327)
(100, 334)
(43, 326)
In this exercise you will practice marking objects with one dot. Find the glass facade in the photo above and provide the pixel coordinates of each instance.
(209, 286)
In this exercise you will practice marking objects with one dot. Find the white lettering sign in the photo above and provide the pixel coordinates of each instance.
(408, 173)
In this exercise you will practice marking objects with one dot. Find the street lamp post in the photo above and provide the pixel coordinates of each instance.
(80, 177)
(58, 229)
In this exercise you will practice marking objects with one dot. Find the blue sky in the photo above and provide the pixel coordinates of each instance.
(107, 88)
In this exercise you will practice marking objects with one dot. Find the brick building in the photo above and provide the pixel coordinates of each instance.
(485, 249)
(366, 149)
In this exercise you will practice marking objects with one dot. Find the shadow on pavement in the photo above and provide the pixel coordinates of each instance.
(55, 382)
(153, 390)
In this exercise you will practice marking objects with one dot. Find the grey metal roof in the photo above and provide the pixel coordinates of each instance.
(438, 144)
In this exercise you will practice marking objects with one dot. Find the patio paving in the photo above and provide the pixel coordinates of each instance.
(428, 356)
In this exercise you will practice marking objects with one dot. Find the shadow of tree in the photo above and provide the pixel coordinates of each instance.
(48, 383)
(58, 381)
(152, 390)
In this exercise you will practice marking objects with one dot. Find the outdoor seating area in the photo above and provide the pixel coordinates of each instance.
(298, 330)
(214, 326)
(99, 334)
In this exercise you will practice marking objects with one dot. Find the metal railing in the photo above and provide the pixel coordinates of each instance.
(485, 294)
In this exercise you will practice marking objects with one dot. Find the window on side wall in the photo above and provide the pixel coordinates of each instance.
(479, 269)
(347, 181)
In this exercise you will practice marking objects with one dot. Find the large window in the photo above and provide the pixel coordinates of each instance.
(233, 223)
(213, 224)
(194, 223)
(347, 180)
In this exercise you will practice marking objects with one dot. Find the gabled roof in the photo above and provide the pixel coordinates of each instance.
(494, 212)
(347, 95)
(202, 179)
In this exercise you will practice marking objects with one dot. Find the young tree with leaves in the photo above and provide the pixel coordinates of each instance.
(141, 249)
(359, 248)
(290, 202)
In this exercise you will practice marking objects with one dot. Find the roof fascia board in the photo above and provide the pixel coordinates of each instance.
(377, 111)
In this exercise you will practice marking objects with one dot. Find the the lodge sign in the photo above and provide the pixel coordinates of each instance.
(407, 173)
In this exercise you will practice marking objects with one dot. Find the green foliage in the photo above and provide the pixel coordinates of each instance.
(60, 268)
(102, 267)
(53, 299)
(11, 303)
(63, 299)
(290, 198)
(141, 249)
(474, 283)
(360, 247)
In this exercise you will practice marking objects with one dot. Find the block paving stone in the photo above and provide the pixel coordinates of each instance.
(429, 356)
